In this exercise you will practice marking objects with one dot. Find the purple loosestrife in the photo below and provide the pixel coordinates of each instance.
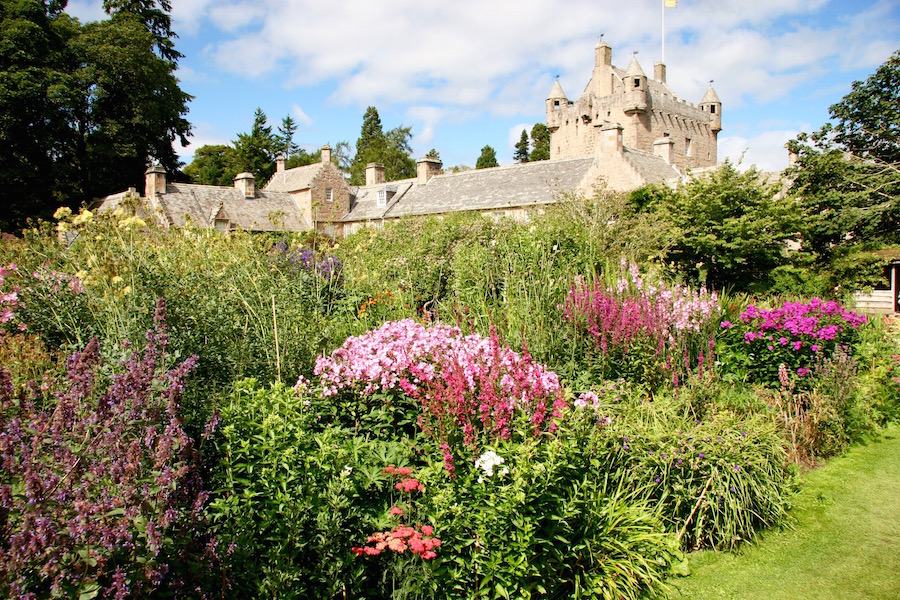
(101, 490)
(467, 386)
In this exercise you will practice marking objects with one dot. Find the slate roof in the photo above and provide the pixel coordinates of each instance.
(513, 186)
(652, 168)
(292, 180)
(201, 204)
(364, 204)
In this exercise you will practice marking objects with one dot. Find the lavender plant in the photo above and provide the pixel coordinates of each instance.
(100, 493)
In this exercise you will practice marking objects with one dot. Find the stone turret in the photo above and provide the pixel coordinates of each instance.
(635, 88)
(154, 181)
(556, 103)
(713, 106)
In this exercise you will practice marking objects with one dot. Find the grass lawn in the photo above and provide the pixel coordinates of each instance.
(845, 543)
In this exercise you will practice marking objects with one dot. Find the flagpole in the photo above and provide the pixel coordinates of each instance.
(663, 3)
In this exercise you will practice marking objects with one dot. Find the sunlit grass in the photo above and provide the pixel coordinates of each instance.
(845, 542)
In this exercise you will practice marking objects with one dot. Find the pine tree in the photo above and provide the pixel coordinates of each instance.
(521, 153)
(369, 147)
(540, 142)
(487, 159)
(255, 151)
(286, 135)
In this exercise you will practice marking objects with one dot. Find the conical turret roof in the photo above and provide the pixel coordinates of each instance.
(556, 92)
(634, 69)
(710, 96)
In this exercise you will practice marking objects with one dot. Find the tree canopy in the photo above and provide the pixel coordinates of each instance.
(847, 174)
(84, 109)
(487, 159)
(392, 149)
(540, 142)
(520, 154)
(728, 229)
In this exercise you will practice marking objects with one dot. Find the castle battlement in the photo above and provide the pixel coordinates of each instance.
(646, 109)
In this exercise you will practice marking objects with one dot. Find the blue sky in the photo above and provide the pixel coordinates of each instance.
(468, 73)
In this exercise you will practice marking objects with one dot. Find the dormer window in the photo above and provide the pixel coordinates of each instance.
(329, 195)
(381, 198)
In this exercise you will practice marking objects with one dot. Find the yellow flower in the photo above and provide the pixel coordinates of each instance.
(62, 226)
(116, 280)
(85, 216)
(126, 290)
(63, 212)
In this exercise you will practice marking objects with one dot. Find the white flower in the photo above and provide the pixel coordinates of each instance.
(487, 461)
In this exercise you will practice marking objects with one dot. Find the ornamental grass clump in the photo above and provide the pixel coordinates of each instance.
(100, 492)
(467, 388)
(644, 331)
(796, 334)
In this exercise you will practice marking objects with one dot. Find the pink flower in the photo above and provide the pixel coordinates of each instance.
(395, 510)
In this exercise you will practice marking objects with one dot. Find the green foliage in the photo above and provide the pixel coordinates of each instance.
(212, 165)
(392, 149)
(291, 495)
(86, 108)
(540, 142)
(487, 159)
(286, 132)
(255, 151)
(729, 229)
(521, 153)
(868, 118)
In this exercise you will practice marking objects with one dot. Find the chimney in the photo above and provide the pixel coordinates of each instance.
(665, 148)
(154, 181)
(659, 72)
(426, 168)
(279, 163)
(326, 153)
(246, 183)
(793, 158)
(611, 139)
(374, 173)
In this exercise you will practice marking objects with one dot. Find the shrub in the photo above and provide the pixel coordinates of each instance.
(793, 334)
(647, 332)
(100, 491)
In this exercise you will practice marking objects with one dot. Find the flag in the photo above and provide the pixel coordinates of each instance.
(671, 3)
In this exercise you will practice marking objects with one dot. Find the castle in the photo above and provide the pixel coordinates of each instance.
(625, 131)
(652, 118)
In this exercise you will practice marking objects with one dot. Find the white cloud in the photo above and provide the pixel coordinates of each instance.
(203, 134)
(86, 10)
(765, 150)
(515, 134)
(187, 15)
(300, 115)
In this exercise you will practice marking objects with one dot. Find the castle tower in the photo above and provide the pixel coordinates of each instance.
(713, 106)
(556, 103)
(635, 88)
(602, 79)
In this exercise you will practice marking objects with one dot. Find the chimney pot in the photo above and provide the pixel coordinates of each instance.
(154, 181)
(374, 173)
(426, 168)
(246, 183)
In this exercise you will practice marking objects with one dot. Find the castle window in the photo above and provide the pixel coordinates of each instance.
(381, 198)
(637, 82)
(687, 146)
(556, 105)
(712, 108)
(329, 195)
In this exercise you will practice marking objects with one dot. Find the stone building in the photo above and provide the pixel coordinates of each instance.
(653, 119)
(173, 204)
(625, 131)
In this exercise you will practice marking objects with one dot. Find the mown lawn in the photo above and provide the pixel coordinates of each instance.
(845, 542)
